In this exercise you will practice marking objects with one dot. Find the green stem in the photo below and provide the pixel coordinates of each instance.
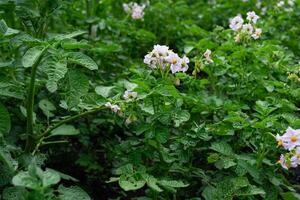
(69, 119)
(30, 103)
(47, 133)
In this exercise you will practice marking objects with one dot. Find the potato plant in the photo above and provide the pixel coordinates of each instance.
(173, 99)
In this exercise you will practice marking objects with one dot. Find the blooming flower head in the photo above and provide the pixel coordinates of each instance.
(236, 23)
(207, 54)
(257, 33)
(291, 138)
(248, 28)
(184, 64)
(175, 62)
(161, 50)
(135, 10)
(280, 3)
(129, 95)
(252, 17)
(162, 57)
(114, 108)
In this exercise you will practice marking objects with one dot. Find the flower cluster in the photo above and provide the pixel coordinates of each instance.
(245, 30)
(135, 10)
(286, 5)
(290, 141)
(114, 108)
(161, 57)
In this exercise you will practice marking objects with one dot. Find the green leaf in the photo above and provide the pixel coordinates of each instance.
(162, 134)
(128, 182)
(147, 107)
(5, 123)
(5, 157)
(6, 174)
(172, 183)
(15, 193)
(10, 89)
(65, 130)
(73, 192)
(222, 147)
(180, 117)
(73, 44)
(23, 179)
(55, 69)
(107, 48)
(251, 190)
(47, 107)
(5, 30)
(31, 56)
(104, 91)
(153, 183)
(68, 35)
(78, 86)
(50, 177)
(82, 59)
(290, 196)
(167, 90)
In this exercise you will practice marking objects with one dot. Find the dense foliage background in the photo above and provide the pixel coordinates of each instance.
(207, 133)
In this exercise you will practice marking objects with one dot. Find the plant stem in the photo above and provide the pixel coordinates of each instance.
(69, 119)
(30, 103)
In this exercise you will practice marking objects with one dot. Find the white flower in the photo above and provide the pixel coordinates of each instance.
(248, 28)
(280, 3)
(291, 138)
(175, 62)
(129, 95)
(126, 8)
(161, 56)
(257, 33)
(282, 162)
(295, 160)
(207, 54)
(150, 60)
(114, 108)
(108, 105)
(161, 50)
(291, 2)
(236, 23)
(137, 11)
(184, 64)
(252, 17)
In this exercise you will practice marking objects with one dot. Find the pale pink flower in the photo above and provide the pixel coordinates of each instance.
(291, 138)
(236, 23)
(128, 95)
(114, 108)
(257, 34)
(252, 17)
(282, 162)
(207, 54)
(248, 28)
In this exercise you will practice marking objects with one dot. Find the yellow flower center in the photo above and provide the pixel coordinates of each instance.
(279, 143)
(298, 155)
(174, 61)
(294, 138)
